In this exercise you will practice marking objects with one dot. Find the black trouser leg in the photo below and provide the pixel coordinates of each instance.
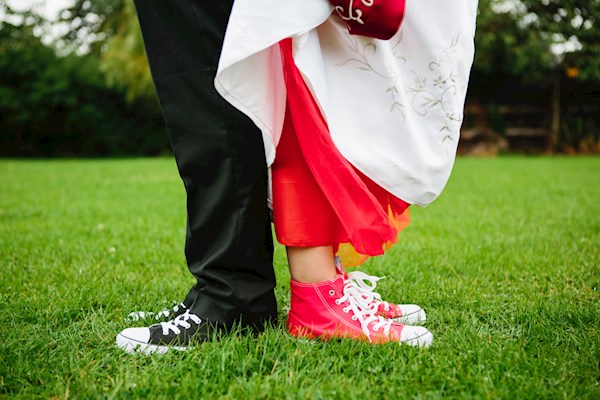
(220, 156)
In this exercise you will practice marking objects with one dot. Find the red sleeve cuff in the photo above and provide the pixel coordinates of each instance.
(379, 19)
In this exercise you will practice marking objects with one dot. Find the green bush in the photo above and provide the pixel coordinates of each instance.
(61, 106)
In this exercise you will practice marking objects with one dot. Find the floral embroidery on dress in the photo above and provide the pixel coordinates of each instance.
(434, 89)
(363, 63)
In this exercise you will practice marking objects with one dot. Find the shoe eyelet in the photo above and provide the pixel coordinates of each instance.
(353, 318)
(331, 292)
(345, 310)
(337, 302)
(375, 329)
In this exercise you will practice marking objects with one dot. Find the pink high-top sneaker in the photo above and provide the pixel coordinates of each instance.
(337, 309)
(410, 314)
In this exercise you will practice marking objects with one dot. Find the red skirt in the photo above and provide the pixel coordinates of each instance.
(319, 198)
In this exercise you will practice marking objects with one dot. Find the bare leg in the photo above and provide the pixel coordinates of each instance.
(311, 264)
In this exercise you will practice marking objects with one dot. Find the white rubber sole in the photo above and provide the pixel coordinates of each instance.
(133, 346)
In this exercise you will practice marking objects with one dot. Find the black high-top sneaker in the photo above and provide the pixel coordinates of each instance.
(180, 333)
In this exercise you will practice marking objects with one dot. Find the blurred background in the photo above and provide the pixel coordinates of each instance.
(74, 81)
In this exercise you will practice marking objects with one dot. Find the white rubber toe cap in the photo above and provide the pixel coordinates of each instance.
(416, 336)
(411, 314)
(132, 338)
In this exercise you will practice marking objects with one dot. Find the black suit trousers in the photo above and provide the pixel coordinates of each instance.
(220, 157)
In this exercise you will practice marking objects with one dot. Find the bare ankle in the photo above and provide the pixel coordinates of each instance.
(311, 264)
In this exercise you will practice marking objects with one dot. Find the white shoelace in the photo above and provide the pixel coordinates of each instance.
(361, 305)
(174, 324)
(166, 313)
(138, 315)
(359, 279)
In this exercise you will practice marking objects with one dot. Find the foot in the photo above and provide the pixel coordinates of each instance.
(410, 314)
(179, 334)
(161, 316)
(337, 309)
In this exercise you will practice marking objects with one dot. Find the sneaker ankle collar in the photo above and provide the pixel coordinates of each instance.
(317, 284)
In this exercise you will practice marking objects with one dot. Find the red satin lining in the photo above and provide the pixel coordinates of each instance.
(319, 198)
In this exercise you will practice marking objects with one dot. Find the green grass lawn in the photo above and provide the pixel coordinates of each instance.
(506, 264)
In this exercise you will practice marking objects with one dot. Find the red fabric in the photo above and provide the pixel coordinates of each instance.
(318, 197)
(374, 18)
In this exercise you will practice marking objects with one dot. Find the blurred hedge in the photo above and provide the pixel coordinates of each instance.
(53, 106)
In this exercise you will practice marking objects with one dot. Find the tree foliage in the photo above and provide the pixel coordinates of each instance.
(575, 20)
(58, 106)
(116, 39)
(535, 38)
(504, 48)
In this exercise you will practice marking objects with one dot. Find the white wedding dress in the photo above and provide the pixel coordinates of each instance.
(394, 108)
